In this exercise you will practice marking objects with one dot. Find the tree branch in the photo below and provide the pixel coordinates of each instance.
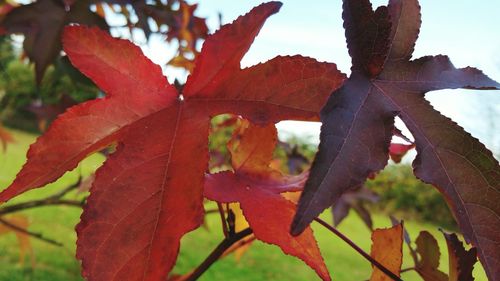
(218, 252)
(54, 199)
(238, 245)
(359, 250)
(408, 269)
(39, 203)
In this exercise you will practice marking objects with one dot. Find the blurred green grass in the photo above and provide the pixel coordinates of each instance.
(261, 262)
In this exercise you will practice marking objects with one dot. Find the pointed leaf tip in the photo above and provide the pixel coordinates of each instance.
(222, 52)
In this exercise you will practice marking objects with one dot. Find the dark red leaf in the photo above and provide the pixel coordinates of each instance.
(398, 150)
(42, 23)
(461, 261)
(340, 211)
(358, 122)
(354, 199)
(367, 33)
(138, 191)
(428, 250)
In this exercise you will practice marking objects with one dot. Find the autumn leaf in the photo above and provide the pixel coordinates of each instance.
(149, 193)
(387, 248)
(428, 264)
(42, 23)
(354, 199)
(257, 187)
(358, 121)
(398, 150)
(427, 255)
(187, 27)
(181, 61)
(461, 261)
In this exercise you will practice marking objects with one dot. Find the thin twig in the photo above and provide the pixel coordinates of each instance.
(32, 234)
(407, 269)
(64, 191)
(39, 203)
(223, 219)
(359, 250)
(217, 253)
(54, 199)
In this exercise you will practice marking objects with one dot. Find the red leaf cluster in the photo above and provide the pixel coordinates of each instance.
(257, 188)
(149, 193)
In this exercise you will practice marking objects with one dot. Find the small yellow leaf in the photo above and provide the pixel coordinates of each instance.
(387, 249)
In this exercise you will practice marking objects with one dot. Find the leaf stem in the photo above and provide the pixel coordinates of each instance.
(223, 219)
(359, 250)
(407, 269)
(218, 252)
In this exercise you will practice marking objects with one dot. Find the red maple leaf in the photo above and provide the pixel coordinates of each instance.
(149, 193)
(257, 188)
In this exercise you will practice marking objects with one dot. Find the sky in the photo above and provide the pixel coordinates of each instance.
(468, 31)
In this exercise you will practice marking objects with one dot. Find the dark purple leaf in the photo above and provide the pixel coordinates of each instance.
(358, 122)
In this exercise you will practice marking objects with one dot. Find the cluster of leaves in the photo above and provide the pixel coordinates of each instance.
(174, 18)
(42, 23)
(387, 246)
(139, 102)
(150, 191)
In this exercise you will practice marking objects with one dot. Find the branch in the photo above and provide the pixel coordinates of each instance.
(238, 245)
(63, 192)
(38, 203)
(218, 252)
(54, 199)
(32, 234)
(407, 269)
(359, 250)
